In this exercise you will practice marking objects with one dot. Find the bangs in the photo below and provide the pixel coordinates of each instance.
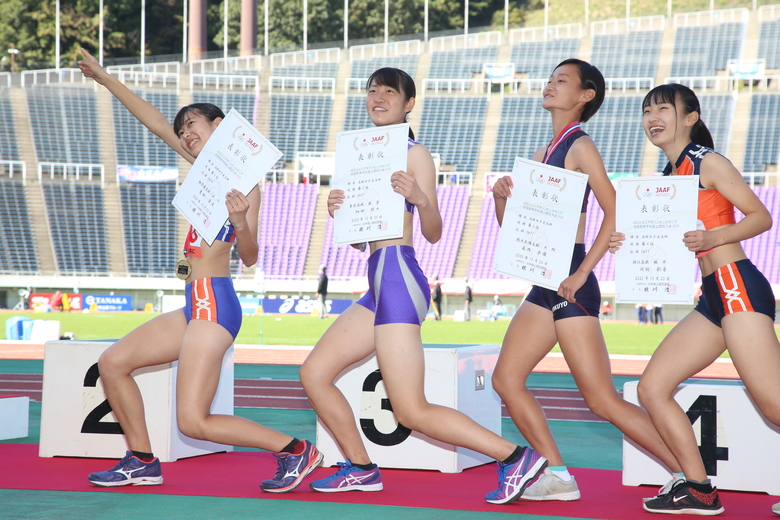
(660, 94)
(387, 77)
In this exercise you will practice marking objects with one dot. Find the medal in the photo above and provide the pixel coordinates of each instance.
(183, 269)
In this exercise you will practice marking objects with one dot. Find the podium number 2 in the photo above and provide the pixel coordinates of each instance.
(705, 407)
(92, 423)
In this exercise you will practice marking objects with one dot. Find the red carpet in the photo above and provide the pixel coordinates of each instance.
(238, 474)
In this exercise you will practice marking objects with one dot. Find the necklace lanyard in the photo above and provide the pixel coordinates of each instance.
(572, 127)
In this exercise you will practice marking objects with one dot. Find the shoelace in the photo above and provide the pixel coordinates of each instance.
(122, 463)
(280, 468)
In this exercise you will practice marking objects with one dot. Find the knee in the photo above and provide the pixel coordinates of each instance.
(190, 426)
(409, 416)
(603, 406)
(507, 384)
(309, 376)
(649, 395)
(109, 365)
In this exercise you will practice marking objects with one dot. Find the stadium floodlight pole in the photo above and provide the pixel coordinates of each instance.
(184, 34)
(628, 12)
(387, 21)
(57, 38)
(669, 9)
(265, 28)
(546, 13)
(225, 31)
(143, 31)
(305, 24)
(426, 21)
(506, 16)
(100, 37)
(466, 17)
(587, 12)
(346, 24)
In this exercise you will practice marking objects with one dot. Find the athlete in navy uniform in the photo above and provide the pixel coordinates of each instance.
(570, 315)
(387, 321)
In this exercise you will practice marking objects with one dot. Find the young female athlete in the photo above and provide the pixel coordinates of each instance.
(570, 316)
(737, 307)
(196, 336)
(387, 321)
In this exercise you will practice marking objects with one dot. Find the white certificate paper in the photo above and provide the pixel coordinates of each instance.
(653, 265)
(365, 160)
(536, 241)
(235, 156)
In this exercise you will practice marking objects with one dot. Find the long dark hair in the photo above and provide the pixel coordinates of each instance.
(207, 110)
(590, 79)
(395, 79)
(670, 93)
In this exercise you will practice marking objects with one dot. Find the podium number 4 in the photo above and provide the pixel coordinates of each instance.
(705, 407)
(92, 423)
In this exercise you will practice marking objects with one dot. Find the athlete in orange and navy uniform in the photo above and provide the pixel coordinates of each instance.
(735, 312)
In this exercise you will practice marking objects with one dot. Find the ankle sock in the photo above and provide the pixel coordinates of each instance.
(365, 467)
(514, 457)
(562, 472)
(290, 448)
(704, 486)
(143, 456)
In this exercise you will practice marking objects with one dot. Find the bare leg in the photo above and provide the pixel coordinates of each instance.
(401, 360)
(348, 340)
(530, 336)
(200, 361)
(155, 342)
(691, 346)
(583, 346)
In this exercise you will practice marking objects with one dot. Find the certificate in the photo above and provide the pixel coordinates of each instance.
(536, 241)
(235, 156)
(365, 160)
(653, 265)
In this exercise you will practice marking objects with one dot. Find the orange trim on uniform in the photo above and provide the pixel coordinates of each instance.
(204, 302)
(733, 292)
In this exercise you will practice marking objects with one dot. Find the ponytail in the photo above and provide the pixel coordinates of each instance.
(700, 134)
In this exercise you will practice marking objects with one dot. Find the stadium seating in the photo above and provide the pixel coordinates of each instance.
(763, 139)
(9, 151)
(524, 127)
(617, 131)
(769, 43)
(135, 145)
(299, 123)
(453, 126)
(149, 218)
(703, 50)
(628, 55)
(18, 251)
(364, 68)
(536, 58)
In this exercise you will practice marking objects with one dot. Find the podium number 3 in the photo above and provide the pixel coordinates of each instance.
(92, 423)
(705, 407)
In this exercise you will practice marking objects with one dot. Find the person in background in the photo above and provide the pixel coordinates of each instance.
(467, 299)
(322, 292)
(436, 297)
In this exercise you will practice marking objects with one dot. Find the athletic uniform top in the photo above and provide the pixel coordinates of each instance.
(555, 155)
(193, 240)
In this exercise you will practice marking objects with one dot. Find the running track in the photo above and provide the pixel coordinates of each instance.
(564, 405)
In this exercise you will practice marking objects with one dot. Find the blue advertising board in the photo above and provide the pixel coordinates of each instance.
(302, 305)
(109, 302)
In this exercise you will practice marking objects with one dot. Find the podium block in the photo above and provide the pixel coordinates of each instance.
(455, 376)
(15, 416)
(740, 449)
(77, 421)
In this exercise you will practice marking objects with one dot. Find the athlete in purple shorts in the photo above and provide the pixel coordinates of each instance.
(570, 315)
(197, 337)
(387, 321)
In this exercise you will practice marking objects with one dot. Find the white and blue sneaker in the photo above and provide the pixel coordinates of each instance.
(513, 478)
(292, 469)
(349, 478)
(130, 471)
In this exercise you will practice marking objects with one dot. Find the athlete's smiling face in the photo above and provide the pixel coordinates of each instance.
(195, 131)
(564, 89)
(386, 105)
(664, 123)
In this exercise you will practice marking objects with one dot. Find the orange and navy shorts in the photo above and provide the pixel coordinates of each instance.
(213, 299)
(735, 287)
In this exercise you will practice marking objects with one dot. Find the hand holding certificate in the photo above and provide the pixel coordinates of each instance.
(236, 156)
(537, 236)
(365, 160)
(653, 265)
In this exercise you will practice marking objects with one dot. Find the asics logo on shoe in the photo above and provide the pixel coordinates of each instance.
(677, 499)
(351, 480)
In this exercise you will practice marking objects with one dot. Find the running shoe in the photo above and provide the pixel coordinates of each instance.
(666, 487)
(513, 478)
(684, 500)
(349, 478)
(292, 469)
(130, 471)
(550, 486)
(776, 508)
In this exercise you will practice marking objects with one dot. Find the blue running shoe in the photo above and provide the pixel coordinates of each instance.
(292, 469)
(349, 478)
(513, 478)
(130, 471)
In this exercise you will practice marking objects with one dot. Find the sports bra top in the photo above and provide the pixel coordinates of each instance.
(193, 241)
(714, 209)
(555, 155)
